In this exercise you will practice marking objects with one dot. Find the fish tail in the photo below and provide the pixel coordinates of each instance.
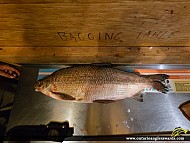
(159, 86)
(159, 82)
(158, 77)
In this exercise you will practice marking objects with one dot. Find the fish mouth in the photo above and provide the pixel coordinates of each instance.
(36, 88)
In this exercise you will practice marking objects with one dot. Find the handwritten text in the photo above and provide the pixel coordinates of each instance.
(90, 36)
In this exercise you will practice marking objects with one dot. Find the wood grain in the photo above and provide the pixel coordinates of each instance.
(130, 55)
(73, 31)
(140, 23)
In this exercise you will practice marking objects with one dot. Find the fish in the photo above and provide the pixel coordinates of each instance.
(101, 84)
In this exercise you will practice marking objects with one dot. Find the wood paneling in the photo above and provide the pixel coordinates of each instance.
(73, 31)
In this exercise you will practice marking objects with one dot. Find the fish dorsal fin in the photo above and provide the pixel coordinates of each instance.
(63, 96)
(138, 96)
(103, 101)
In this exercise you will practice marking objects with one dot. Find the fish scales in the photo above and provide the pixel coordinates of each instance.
(87, 83)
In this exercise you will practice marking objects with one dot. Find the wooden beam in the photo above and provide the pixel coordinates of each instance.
(130, 55)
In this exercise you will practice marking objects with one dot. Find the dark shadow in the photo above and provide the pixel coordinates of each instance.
(54, 131)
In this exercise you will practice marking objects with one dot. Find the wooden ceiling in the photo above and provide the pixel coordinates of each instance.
(93, 31)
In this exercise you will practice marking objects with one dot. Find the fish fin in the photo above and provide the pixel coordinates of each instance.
(159, 86)
(157, 77)
(103, 101)
(62, 96)
(185, 109)
(138, 96)
(159, 81)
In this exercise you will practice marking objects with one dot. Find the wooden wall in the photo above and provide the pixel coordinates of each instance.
(92, 31)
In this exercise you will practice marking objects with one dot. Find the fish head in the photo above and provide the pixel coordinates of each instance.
(40, 85)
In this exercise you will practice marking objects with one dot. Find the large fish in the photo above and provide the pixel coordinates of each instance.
(88, 84)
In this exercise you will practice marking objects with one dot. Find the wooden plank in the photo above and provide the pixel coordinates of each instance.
(127, 55)
(79, 31)
(94, 23)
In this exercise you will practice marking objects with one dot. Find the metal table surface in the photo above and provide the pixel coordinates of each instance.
(158, 112)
